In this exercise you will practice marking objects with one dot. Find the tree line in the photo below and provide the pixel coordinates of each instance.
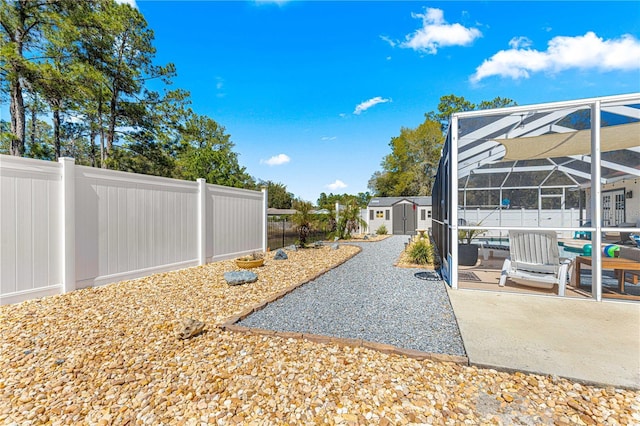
(410, 168)
(81, 81)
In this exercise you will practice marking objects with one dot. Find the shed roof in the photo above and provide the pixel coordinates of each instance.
(274, 212)
(392, 201)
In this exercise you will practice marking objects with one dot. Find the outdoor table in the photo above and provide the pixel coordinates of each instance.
(618, 264)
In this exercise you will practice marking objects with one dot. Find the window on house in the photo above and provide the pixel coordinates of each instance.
(379, 214)
(386, 214)
(429, 214)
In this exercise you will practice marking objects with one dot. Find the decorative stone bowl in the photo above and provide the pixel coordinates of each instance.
(248, 264)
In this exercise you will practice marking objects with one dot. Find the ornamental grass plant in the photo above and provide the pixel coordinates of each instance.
(421, 252)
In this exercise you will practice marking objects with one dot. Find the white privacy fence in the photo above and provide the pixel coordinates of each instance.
(549, 218)
(64, 226)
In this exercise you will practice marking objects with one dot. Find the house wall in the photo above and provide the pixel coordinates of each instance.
(632, 205)
(65, 226)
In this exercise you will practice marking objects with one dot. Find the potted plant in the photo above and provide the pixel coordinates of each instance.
(253, 260)
(468, 252)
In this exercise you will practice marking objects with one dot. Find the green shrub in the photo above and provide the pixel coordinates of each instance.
(421, 252)
(382, 230)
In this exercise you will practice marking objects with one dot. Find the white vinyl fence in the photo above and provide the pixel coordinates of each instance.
(563, 218)
(64, 226)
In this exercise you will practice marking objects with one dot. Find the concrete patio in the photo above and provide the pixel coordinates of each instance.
(592, 342)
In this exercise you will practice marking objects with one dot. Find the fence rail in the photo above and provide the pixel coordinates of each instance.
(64, 226)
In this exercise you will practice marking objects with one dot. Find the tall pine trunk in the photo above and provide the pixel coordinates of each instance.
(92, 140)
(56, 128)
(17, 120)
(34, 119)
(112, 122)
(103, 153)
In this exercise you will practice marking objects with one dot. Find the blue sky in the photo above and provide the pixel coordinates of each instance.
(312, 92)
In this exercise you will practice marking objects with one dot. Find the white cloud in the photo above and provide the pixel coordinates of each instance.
(276, 160)
(563, 53)
(436, 33)
(520, 43)
(328, 138)
(392, 43)
(131, 3)
(363, 106)
(220, 87)
(338, 184)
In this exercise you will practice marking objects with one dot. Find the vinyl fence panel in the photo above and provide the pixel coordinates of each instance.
(522, 218)
(30, 231)
(64, 226)
(237, 221)
(131, 225)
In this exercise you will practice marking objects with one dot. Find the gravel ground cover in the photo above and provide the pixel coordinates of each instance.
(368, 298)
(109, 355)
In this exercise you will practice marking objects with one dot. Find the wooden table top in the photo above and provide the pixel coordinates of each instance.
(612, 262)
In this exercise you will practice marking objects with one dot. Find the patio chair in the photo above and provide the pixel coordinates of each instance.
(534, 256)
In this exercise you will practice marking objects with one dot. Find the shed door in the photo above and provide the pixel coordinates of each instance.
(404, 219)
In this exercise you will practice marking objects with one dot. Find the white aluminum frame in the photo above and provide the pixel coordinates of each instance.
(615, 104)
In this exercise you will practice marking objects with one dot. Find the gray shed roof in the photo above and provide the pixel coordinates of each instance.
(275, 212)
(392, 201)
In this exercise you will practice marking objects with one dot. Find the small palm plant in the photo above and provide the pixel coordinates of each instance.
(303, 219)
(350, 220)
(327, 222)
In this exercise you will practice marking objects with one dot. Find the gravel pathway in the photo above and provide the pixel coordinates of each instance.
(368, 298)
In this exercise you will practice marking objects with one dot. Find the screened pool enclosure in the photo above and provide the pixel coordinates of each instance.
(570, 167)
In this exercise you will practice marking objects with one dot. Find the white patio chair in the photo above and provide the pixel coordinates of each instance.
(534, 256)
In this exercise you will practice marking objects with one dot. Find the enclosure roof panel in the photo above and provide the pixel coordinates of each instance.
(554, 145)
(558, 134)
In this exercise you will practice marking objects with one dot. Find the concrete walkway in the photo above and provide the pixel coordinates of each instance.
(592, 342)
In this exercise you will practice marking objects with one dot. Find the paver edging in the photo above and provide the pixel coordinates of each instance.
(231, 325)
(279, 295)
(351, 342)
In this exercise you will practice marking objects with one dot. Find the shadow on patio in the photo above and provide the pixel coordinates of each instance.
(486, 274)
